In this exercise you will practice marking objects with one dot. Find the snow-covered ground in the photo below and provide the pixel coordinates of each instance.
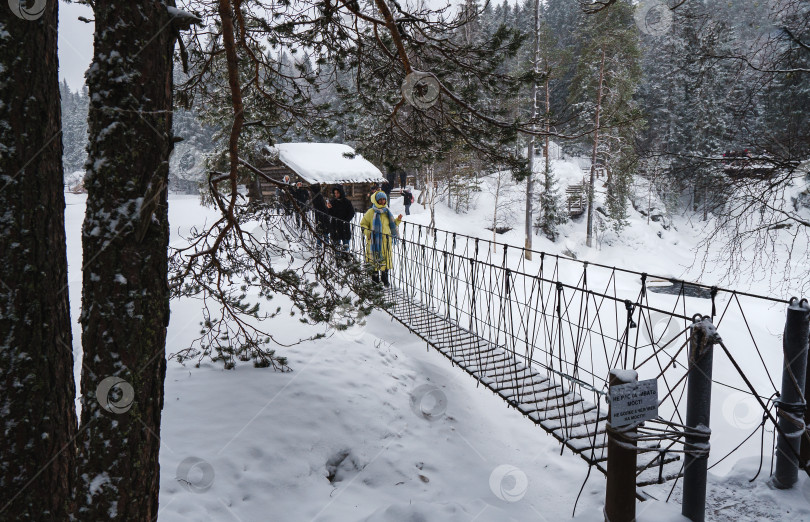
(370, 425)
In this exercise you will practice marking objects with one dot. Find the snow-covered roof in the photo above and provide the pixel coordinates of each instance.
(326, 163)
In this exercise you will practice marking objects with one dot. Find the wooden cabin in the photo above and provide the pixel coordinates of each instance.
(327, 164)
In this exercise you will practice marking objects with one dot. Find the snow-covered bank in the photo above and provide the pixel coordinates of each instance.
(371, 426)
(344, 437)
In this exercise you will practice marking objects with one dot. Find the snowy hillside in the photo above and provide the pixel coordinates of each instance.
(663, 244)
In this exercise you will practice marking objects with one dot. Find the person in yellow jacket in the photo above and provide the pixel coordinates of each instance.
(380, 228)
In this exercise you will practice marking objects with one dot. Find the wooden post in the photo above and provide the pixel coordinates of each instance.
(620, 493)
(791, 402)
(805, 447)
(698, 407)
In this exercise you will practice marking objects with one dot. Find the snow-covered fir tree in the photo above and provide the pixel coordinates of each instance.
(607, 75)
(74, 129)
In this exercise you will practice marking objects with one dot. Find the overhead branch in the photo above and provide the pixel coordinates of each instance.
(395, 34)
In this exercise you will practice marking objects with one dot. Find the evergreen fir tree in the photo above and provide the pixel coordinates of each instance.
(608, 73)
(555, 63)
(551, 212)
(74, 128)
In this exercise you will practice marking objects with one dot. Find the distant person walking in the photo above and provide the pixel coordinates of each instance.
(407, 198)
(380, 230)
(302, 198)
(342, 212)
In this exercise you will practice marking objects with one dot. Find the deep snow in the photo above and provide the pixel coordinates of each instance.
(372, 426)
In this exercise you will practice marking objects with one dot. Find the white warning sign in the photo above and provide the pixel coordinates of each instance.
(633, 403)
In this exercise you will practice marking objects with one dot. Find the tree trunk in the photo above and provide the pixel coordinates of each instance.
(125, 297)
(589, 240)
(37, 389)
(548, 133)
(431, 179)
(705, 202)
(551, 231)
(495, 212)
(535, 112)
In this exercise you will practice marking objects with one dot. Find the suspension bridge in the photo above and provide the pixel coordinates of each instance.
(544, 334)
(551, 403)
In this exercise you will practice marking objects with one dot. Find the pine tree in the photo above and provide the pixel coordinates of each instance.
(551, 212)
(535, 114)
(74, 128)
(125, 291)
(607, 77)
(563, 19)
(37, 451)
(555, 62)
(692, 98)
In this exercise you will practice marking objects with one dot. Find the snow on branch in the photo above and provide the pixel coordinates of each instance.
(182, 19)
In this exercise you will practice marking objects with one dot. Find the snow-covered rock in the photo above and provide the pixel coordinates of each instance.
(74, 182)
(646, 202)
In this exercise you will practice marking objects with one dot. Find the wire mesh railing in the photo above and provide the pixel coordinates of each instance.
(573, 321)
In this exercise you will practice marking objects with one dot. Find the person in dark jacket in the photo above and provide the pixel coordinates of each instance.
(407, 200)
(302, 198)
(390, 179)
(387, 186)
(322, 219)
(342, 212)
(375, 188)
(283, 203)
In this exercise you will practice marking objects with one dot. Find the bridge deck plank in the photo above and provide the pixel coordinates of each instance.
(578, 424)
